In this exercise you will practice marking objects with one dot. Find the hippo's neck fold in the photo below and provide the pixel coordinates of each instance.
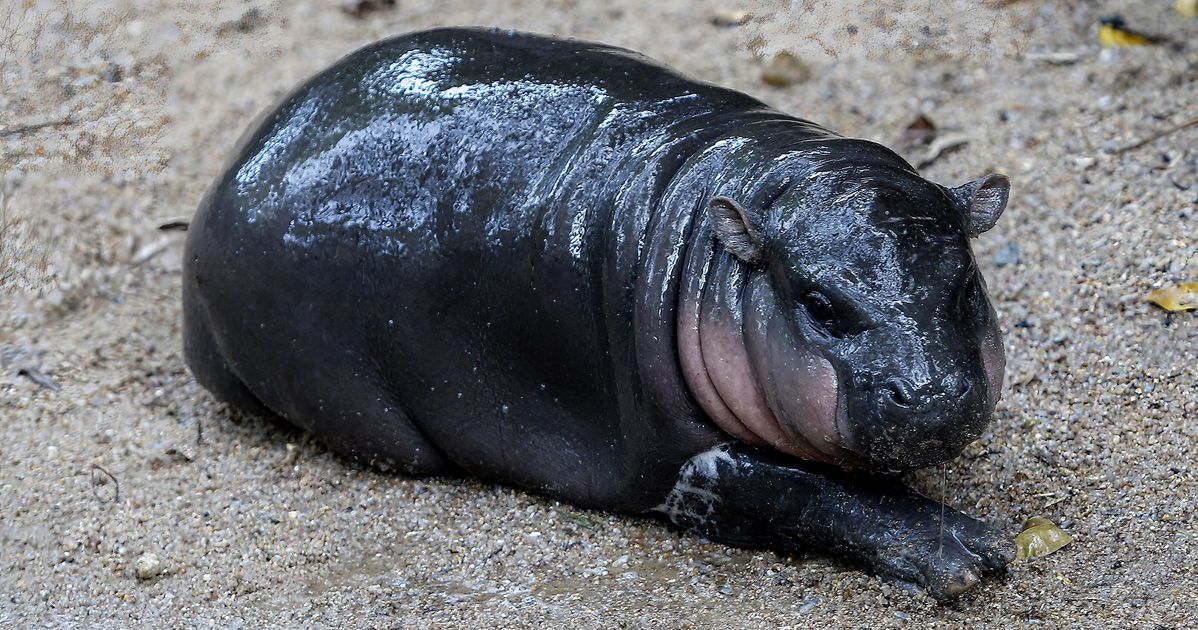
(727, 319)
(721, 306)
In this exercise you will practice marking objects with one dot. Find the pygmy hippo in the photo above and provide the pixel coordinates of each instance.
(563, 266)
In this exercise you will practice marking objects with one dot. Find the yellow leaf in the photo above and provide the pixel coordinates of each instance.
(1110, 35)
(1040, 537)
(1183, 297)
(1188, 8)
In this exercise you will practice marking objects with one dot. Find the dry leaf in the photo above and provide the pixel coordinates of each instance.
(785, 69)
(1040, 537)
(360, 8)
(918, 133)
(1183, 297)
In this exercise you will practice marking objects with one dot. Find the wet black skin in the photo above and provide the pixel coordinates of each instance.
(461, 251)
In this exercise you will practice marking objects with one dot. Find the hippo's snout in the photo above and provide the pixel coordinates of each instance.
(902, 395)
(897, 424)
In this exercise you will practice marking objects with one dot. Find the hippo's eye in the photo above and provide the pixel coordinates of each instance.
(819, 306)
(822, 311)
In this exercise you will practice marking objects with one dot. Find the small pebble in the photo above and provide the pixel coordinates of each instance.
(1008, 255)
(251, 20)
(147, 567)
(111, 72)
(725, 17)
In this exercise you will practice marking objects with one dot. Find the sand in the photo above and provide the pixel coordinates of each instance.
(118, 455)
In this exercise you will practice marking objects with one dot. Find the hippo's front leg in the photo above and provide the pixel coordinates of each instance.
(750, 497)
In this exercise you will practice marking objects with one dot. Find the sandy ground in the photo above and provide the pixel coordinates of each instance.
(258, 525)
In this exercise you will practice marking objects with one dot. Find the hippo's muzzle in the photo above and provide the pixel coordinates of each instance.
(897, 424)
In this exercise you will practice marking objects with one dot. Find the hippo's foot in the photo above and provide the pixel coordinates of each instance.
(947, 556)
(746, 496)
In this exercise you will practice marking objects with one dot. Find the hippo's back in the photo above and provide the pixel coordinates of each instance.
(404, 139)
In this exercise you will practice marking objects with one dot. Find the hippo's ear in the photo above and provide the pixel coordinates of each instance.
(982, 200)
(733, 229)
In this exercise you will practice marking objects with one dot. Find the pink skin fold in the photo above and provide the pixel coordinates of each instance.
(745, 380)
(994, 362)
(694, 371)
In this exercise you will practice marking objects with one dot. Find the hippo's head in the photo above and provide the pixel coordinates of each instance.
(865, 321)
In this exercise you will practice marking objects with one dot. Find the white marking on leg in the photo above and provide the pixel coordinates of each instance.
(706, 463)
(693, 499)
(702, 492)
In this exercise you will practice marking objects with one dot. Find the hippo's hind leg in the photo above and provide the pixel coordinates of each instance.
(208, 365)
(746, 496)
(360, 421)
(357, 416)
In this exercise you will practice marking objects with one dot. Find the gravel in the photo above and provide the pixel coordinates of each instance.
(127, 495)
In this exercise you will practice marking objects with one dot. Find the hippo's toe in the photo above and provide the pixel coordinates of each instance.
(946, 560)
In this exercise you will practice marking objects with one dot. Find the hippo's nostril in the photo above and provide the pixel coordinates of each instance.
(956, 386)
(899, 391)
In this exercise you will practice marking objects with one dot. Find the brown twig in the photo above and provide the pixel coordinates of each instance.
(941, 146)
(20, 129)
(116, 497)
(1155, 136)
(37, 376)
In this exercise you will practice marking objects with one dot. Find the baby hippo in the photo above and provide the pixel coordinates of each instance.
(562, 266)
